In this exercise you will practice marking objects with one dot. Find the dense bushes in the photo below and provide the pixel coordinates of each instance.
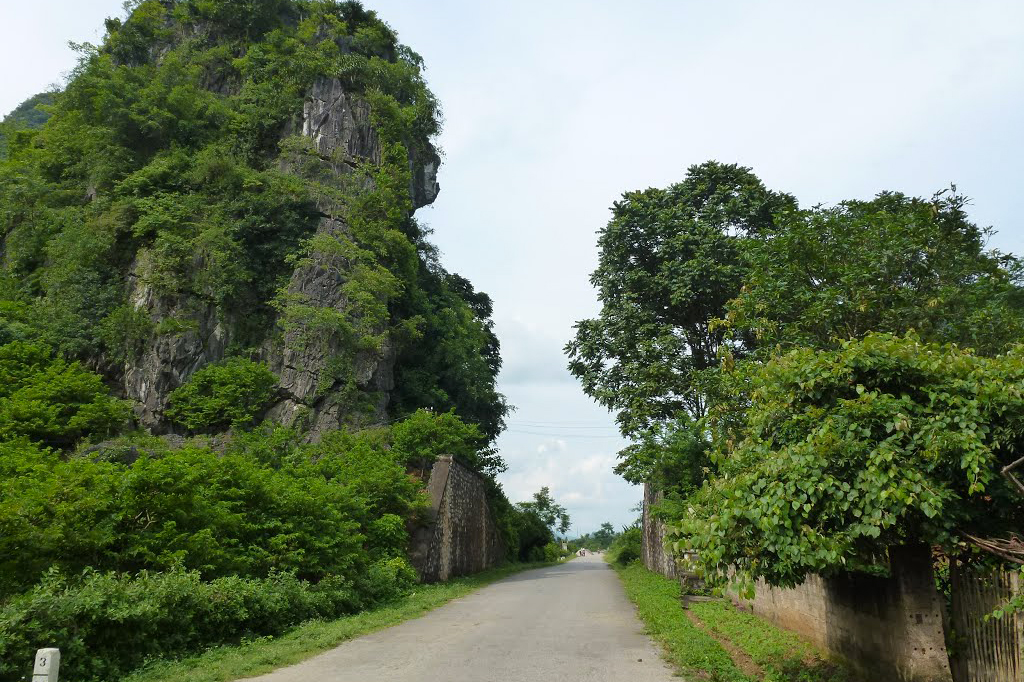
(844, 453)
(318, 511)
(106, 624)
(134, 549)
(625, 549)
(229, 393)
(50, 400)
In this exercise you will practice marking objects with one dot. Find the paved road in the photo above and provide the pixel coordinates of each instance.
(566, 623)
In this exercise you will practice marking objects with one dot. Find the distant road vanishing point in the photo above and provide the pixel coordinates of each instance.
(566, 623)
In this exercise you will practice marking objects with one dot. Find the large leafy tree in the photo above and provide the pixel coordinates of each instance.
(892, 264)
(767, 377)
(452, 357)
(884, 441)
(543, 505)
(670, 261)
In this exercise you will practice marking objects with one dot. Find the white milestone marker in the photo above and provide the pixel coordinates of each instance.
(47, 665)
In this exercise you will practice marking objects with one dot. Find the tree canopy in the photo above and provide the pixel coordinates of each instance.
(670, 260)
(884, 441)
(808, 386)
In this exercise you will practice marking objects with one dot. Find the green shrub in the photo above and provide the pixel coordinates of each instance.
(425, 435)
(229, 393)
(106, 624)
(228, 514)
(625, 548)
(52, 401)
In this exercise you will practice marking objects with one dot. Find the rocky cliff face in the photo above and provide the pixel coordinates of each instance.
(216, 184)
(338, 125)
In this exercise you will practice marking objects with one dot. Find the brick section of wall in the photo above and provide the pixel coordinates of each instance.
(461, 538)
(652, 544)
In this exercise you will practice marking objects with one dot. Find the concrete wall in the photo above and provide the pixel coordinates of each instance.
(890, 628)
(461, 537)
(652, 545)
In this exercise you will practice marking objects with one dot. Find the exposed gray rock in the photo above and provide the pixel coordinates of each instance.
(197, 336)
(339, 126)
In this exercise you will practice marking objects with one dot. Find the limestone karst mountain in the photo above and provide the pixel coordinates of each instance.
(218, 182)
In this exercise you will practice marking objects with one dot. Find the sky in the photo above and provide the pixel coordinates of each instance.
(554, 109)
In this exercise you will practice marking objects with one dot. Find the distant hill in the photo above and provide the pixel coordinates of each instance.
(26, 115)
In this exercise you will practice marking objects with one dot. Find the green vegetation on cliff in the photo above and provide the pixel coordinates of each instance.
(29, 115)
(228, 351)
(194, 178)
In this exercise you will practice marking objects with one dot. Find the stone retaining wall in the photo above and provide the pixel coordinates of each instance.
(890, 628)
(461, 537)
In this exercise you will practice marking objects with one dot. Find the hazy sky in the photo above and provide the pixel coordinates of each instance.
(554, 109)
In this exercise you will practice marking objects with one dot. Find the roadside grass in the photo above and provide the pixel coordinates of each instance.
(255, 657)
(687, 647)
(783, 656)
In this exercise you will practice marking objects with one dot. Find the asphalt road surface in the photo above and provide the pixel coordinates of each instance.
(561, 624)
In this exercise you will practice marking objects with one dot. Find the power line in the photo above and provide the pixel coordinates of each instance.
(531, 425)
(560, 435)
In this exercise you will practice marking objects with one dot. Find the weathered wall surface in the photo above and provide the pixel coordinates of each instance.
(462, 537)
(652, 544)
(890, 628)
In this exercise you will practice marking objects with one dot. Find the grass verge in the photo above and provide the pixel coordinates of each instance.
(783, 655)
(687, 647)
(225, 663)
(695, 651)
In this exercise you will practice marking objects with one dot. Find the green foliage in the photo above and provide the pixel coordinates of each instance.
(423, 436)
(673, 456)
(169, 163)
(106, 624)
(229, 393)
(531, 534)
(266, 504)
(708, 284)
(604, 535)
(29, 115)
(263, 655)
(552, 514)
(626, 547)
(843, 453)
(552, 552)
(600, 539)
(32, 113)
(892, 264)
(451, 357)
(670, 261)
(52, 401)
(524, 527)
